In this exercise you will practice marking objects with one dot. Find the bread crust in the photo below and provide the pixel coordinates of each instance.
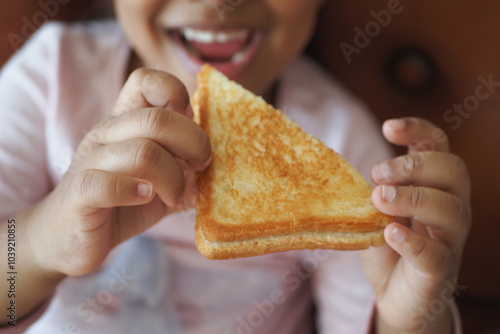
(214, 231)
(303, 240)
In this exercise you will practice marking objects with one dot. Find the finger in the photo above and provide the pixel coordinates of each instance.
(175, 132)
(439, 170)
(424, 254)
(377, 262)
(425, 205)
(92, 190)
(416, 133)
(151, 88)
(190, 192)
(144, 159)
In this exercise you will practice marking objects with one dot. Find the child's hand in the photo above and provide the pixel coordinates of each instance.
(414, 274)
(129, 171)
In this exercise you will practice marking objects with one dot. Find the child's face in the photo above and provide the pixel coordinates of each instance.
(251, 41)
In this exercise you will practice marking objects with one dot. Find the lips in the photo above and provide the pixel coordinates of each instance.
(228, 50)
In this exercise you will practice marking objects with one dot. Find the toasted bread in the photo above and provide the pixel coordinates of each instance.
(272, 187)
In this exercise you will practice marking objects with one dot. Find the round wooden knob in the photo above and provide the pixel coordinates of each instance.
(411, 71)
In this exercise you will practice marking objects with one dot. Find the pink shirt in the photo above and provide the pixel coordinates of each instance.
(64, 81)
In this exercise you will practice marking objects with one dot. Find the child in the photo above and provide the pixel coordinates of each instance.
(88, 164)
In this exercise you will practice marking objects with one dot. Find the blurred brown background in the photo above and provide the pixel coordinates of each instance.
(425, 60)
(417, 58)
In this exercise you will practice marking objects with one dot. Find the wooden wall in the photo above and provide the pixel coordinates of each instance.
(427, 60)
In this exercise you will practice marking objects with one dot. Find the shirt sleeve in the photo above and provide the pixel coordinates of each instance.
(343, 296)
(24, 98)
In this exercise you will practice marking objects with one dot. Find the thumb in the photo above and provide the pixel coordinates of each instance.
(94, 190)
(151, 88)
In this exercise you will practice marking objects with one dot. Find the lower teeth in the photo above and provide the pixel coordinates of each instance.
(237, 57)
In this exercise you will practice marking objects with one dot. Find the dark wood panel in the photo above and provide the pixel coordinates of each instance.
(19, 19)
(461, 39)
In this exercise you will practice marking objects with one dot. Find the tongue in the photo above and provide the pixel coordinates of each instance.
(218, 51)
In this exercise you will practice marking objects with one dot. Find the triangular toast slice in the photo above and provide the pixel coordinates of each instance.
(272, 187)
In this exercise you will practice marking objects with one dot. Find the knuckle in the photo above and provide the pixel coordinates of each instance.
(202, 146)
(178, 89)
(156, 121)
(412, 164)
(175, 183)
(96, 136)
(146, 153)
(145, 78)
(460, 213)
(457, 210)
(418, 198)
(441, 263)
(84, 149)
(116, 190)
(139, 74)
(419, 247)
(422, 124)
(152, 80)
(458, 167)
(85, 183)
(444, 263)
(417, 125)
(106, 124)
(412, 121)
(179, 189)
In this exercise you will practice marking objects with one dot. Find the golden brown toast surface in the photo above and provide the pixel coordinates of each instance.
(270, 178)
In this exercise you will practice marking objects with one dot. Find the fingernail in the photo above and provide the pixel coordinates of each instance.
(398, 235)
(397, 124)
(144, 190)
(384, 172)
(388, 193)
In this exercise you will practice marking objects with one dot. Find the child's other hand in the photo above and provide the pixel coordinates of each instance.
(428, 189)
(129, 171)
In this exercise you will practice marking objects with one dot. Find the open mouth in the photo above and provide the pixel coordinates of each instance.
(228, 50)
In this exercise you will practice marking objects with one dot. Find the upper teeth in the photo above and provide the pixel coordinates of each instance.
(209, 36)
